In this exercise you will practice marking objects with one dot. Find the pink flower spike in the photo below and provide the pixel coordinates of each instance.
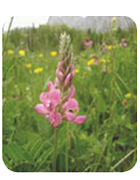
(69, 116)
(80, 119)
(72, 91)
(54, 96)
(43, 97)
(55, 119)
(40, 109)
(71, 104)
(50, 86)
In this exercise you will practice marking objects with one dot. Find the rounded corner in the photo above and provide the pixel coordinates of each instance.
(131, 167)
(7, 166)
(132, 21)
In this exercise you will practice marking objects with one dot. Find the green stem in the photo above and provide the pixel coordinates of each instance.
(55, 149)
(67, 145)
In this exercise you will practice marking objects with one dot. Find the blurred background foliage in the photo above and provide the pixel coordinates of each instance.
(106, 93)
(46, 37)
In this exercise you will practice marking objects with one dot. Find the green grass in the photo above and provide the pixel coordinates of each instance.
(105, 142)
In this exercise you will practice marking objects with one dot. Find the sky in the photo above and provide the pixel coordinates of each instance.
(25, 21)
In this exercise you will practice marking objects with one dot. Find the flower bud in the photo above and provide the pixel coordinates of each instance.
(60, 75)
(60, 65)
(69, 78)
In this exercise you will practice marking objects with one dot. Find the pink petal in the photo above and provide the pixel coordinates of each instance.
(80, 119)
(50, 86)
(96, 63)
(71, 104)
(54, 96)
(59, 74)
(72, 91)
(69, 116)
(55, 119)
(56, 82)
(40, 109)
(43, 97)
(67, 69)
(68, 78)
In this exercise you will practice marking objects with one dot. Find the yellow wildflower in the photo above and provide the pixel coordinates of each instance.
(10, 51)
(53, 53)
(38, 70)
(111, 47)
(128, 95)
(102, 61)
(40, 55)
(76, 70)
(21, 52)
(90, 62)
(28, 65)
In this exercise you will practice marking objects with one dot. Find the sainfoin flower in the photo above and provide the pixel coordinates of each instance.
(88, 43)
(58, 103)
(124, 43)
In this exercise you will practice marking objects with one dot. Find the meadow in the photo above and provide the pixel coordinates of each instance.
(106, 90)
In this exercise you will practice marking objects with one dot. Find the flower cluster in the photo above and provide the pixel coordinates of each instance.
(59, 103)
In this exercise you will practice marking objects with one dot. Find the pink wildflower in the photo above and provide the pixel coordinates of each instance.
(96, 63)
(105, 48)
(71, 104)
(59, 103)
(55, 119)
(124, 43)
(94, 56)
(88, 43)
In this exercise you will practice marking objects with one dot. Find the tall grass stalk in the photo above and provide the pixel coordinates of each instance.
(123, 159)
(8, 32)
